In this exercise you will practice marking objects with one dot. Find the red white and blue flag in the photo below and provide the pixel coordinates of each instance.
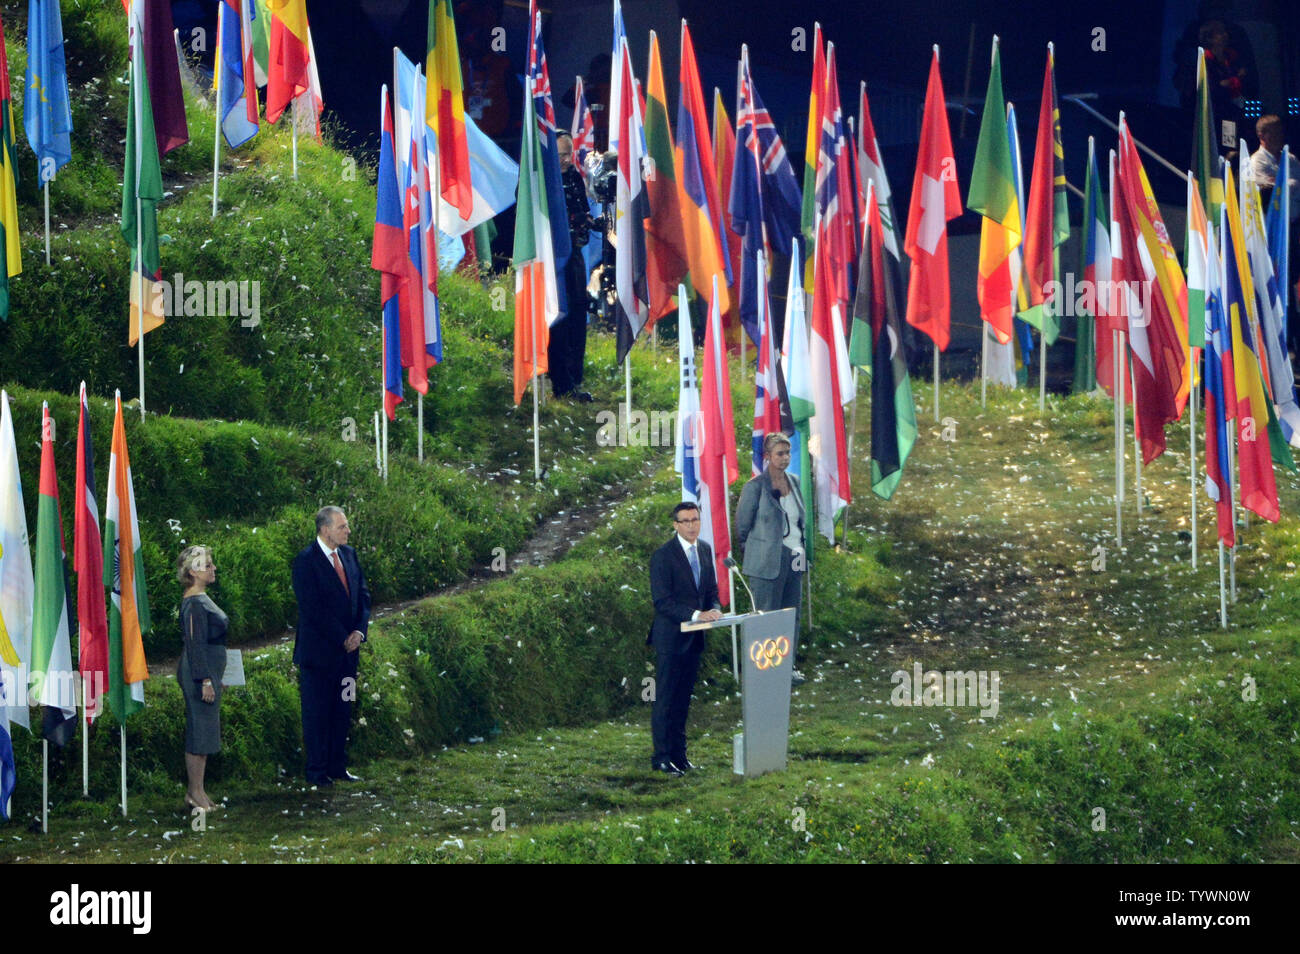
(388, 256)
(561, 245)
(771, 404)
(584, 128)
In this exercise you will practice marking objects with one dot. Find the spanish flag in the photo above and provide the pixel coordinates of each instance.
(288, 74)
(8, 185)
(444, 105)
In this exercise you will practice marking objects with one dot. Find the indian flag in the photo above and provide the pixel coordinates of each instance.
(128, 614)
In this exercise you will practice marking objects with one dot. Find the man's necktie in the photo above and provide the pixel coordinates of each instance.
(338, 568)
(695, 565)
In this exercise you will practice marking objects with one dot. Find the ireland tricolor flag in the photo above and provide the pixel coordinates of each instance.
(128, 614)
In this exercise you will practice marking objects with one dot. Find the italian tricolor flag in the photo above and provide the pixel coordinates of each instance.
(128, 613)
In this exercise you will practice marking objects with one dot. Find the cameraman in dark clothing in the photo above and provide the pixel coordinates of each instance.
(568, 340)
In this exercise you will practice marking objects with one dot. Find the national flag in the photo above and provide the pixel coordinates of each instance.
(717, 443)
(257, 40)
(935, 201)
(9, 236)
(1047, 218)
(544, 110)
(872, 166)
(796, 365)
(877, 346)
(666, 252)
(812, 146)
(827, 369)
(389, 256)
(583, 129)
(235, 89)
(88, 562)
(764, 202)
(1122, 298)
(422, 336)
(1219, 383)
(615, 78)
(1197, 247)
(771, 401)
(697, 193)
(128, 614)
(1205, 143)
(309, 104)
(152, 20)
(1023, 330)
(1270, 308)
(1095, 268)
(834, 198)
(142, 176)
(1159, 352)
(288, 73)
(445, 108)
(250, 18)
(536, 307)
(1276, 226)
(1254, 410)
(51, 667)
(631, 209)
(1158, 265)
(724, 156)
(993, 195)
(47, 114)
(17, 587)
(686, 456)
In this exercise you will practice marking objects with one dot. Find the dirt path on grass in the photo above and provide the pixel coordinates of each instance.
(550, 541)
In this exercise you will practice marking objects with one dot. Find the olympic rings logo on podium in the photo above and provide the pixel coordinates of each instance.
(769, 653)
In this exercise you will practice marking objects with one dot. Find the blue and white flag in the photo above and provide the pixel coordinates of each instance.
(686, 457)
(47, 116)
(233, 89)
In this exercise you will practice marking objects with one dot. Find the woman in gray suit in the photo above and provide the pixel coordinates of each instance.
(770, 527)
(202, 664)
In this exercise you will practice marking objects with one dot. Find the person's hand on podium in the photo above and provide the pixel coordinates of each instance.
(708, 616)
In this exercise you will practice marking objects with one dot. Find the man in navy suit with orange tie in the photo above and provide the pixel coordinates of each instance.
(684, 588)
(333, 616)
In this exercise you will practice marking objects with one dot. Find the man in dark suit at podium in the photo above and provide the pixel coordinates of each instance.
(684, 588)
(333, 617)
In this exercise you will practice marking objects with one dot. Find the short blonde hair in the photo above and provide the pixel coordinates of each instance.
(771, 440)
(192, 559)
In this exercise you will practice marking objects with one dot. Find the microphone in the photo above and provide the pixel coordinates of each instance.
(730, 563)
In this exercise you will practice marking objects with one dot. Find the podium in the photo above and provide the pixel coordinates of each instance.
(766, 650)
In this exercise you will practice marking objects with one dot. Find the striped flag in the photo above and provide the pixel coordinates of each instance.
(236, 94)
(724, 157)
(9, 237)
(544, 111)
(796, 365)
(288, 72)
(250, 19)
(445, 108)
(706, 240)
(1047, 218)
(1270, 307)
(1205, 144)
(88, 562)
(666, 252)
(615, 78)
(717, 445)
(128, 614)
(17, 586)
(993, 195)
(812, 144)
(771, 402)
(935, 201)
(1094, 340)
(632, 208)
(142, 182)
(686, 456)
(536, 306)
(52, 682)
(388, 256)
(1220, 382)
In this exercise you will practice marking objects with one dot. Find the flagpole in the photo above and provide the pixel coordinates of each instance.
(1192, 428)
(45, 786)
(1232, 555)
(1117, 352)
(122, 730)
(384, 421)
(1223, 596)
(853, 426)
(85, 740)
(537, 450)
(379, 449)
(984, 364)
(1137, 444)
(216, 151)
(1042, 369)
(47, 221)
(936, 382)
(627, 384)
(139, 279)
(419, 422)
(294, 110)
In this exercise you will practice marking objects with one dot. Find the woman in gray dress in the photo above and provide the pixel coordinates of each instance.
(202, 664)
